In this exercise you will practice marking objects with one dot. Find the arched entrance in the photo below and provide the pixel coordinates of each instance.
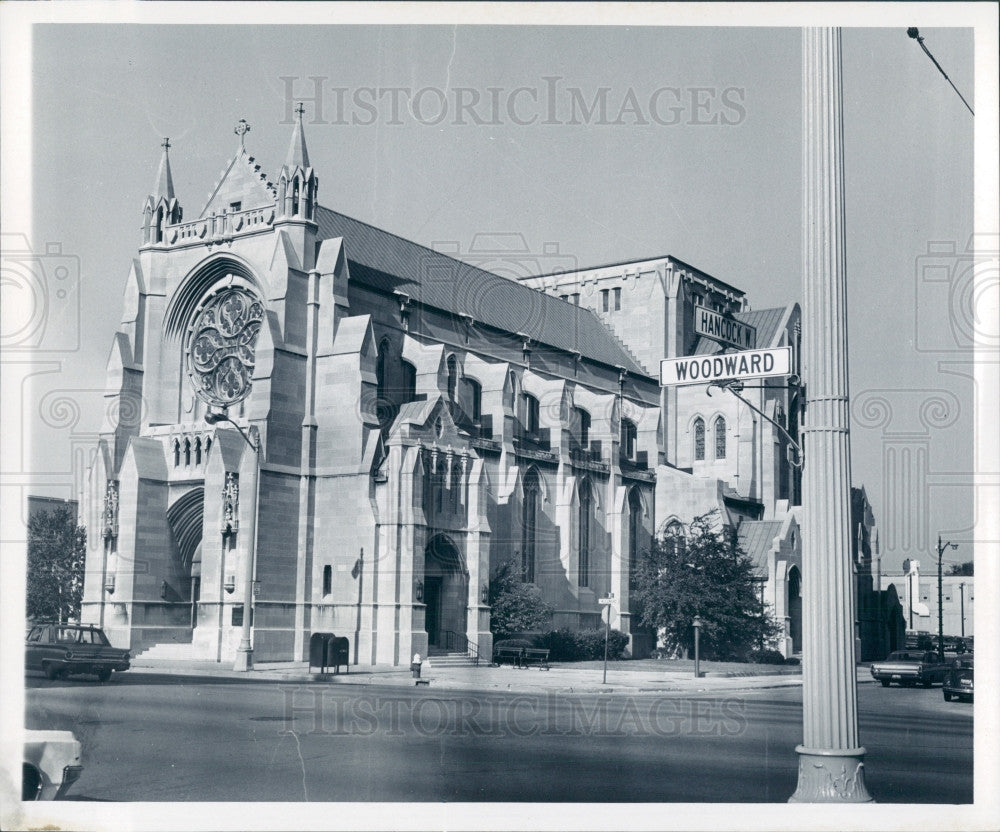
(794, 584)
(446, 590)
(185, 517)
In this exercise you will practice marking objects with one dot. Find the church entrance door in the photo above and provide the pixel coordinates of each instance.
(446, 590)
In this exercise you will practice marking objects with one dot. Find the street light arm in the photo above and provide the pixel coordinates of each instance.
(727, 386)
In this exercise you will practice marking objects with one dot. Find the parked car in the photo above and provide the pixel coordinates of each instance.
(51, 764)
(959, 681)
(910, 667)
(61, 649)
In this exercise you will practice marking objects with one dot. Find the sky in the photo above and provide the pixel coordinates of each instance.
(698, 155)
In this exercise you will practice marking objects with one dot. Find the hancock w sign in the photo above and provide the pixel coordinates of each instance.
(704, 369)
(724, 329)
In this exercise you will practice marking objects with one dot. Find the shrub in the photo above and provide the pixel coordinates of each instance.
(766, 657)
(792, 660)
(582, 645)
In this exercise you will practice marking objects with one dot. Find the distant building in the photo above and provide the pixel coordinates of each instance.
(919, 596)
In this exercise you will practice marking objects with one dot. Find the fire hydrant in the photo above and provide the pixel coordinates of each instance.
(415, 666)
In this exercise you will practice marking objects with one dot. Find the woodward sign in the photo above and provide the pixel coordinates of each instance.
(724, 330)
(702, 369)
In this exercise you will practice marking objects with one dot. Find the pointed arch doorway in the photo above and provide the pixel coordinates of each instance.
(446, 590)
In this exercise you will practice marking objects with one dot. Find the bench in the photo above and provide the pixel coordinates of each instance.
(531, 656)
(509, 654)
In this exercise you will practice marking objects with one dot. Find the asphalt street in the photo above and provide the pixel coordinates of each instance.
(161, 738)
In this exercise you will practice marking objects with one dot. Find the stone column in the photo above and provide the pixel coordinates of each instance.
(830, 757)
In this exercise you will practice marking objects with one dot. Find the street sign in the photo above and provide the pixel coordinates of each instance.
(724, 329)
(606, 601)
(704, 369)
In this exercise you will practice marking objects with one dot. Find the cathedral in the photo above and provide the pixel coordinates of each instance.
(334, 429)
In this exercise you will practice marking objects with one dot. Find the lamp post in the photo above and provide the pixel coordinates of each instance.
(940, 551)
(244, 652)
(697, 623)
(606, 603)
(831, 767)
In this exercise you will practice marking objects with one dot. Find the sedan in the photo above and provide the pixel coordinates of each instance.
(61, 649)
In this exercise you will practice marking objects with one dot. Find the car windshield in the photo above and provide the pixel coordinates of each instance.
(906, 657)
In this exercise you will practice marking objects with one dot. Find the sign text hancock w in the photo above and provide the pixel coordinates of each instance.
(704, 369)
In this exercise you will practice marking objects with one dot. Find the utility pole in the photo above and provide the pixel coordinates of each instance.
(940, 551)
(961, 590)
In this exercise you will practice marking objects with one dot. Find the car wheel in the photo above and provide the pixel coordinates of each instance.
(31, 783)
(885, 682)
(53, 672)
(104, 674)
(947, 696)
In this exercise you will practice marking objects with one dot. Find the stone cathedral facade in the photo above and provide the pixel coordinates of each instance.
(419, 422)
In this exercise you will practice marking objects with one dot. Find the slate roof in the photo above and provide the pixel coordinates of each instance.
(765, 321)
(756, 537)
(390, 263)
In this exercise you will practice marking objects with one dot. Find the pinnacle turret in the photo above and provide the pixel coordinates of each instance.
(164, 181)
(161, 207)
(297, 184)
(298, 155)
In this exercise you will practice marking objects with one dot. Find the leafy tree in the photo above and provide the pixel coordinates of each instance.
(965, 569)
(703, 572)
(56, 550)
(517, 607)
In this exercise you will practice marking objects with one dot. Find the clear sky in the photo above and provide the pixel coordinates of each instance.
(716, 184)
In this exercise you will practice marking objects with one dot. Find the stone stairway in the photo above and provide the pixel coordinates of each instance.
(445, 658)
(168, 651)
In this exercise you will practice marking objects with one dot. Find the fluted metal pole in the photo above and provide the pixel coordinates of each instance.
(831, 767)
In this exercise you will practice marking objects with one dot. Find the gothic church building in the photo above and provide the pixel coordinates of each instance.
(387, 425)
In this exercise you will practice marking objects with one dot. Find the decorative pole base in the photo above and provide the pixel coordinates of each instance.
(831, 776)
(244, 660)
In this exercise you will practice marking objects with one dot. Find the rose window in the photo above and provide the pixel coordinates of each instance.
(221, 346)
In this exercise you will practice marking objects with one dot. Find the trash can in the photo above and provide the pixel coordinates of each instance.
(415, 666)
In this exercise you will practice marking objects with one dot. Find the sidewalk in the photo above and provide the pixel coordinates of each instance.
(560, 678)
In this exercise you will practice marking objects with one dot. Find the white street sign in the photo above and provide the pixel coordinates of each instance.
(725, 330)
(606, 601)
(704, 369)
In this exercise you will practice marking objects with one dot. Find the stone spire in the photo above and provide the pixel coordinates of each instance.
(297, 183)
(298, 156)
(161, 208)
(164, 181)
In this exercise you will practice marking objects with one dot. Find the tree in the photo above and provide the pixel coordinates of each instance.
(516, 607)
(965, 569)
(703, 572)
(56, 550)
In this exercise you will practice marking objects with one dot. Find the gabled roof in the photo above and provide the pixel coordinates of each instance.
(756, 539)
(392, 264)
(767, 322)
(241, 181)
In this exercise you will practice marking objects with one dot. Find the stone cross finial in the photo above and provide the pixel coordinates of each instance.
(166, 144)
(300, 110)
(241, 129)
